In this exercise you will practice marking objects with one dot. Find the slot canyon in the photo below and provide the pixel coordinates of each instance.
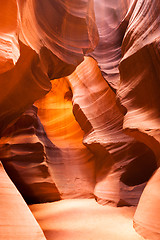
(79, 120)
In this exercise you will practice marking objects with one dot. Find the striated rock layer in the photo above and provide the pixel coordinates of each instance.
(9, 47)
(73, 169)
(48, 48)
(101, 118)
(139, 74)
(139, 94)
(119, 158)
(66, 28)
(111, 20)
(24, 155)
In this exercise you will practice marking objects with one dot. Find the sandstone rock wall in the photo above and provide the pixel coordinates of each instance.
(16, 220)
(97, 129)
(73, 169)
(24, 153)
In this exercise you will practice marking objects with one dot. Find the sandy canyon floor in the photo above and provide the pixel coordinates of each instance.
(85, 219)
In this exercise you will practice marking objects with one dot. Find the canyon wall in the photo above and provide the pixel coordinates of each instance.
(79, 102)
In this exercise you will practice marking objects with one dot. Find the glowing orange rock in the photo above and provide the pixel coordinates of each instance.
(89, 152)
(9, 47)
(73, 169)
(55, 37)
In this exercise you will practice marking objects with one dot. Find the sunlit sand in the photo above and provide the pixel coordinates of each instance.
(85, 219)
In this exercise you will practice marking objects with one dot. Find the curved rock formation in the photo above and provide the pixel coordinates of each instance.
(66, 28)
(73, 170)
(50, 49)
(147, 216)
(9, 47)
(111, 19)
(27, 79)
(109, 145)
(24, 155)
(139, 74)
(16, 220)
(120, 159)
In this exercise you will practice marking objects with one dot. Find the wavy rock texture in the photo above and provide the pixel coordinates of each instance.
(16, 220)
(147, 216)
(139, 94)
(73, 170)
(120, 159)
(109, 145)
(24, 152)
(67, 28)
(111, 27)
(53, 49)
(139, 71)
(9, 47)
(25, 79)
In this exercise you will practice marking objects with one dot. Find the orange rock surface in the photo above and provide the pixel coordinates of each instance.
(147, 215)
(139, 72)
(23, 155)
(45, 50)
(79, 109)
(9, 47)
(119, 158)
(73, 168)
(16, 220)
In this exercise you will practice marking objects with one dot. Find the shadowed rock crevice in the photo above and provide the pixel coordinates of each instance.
(25, 158)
